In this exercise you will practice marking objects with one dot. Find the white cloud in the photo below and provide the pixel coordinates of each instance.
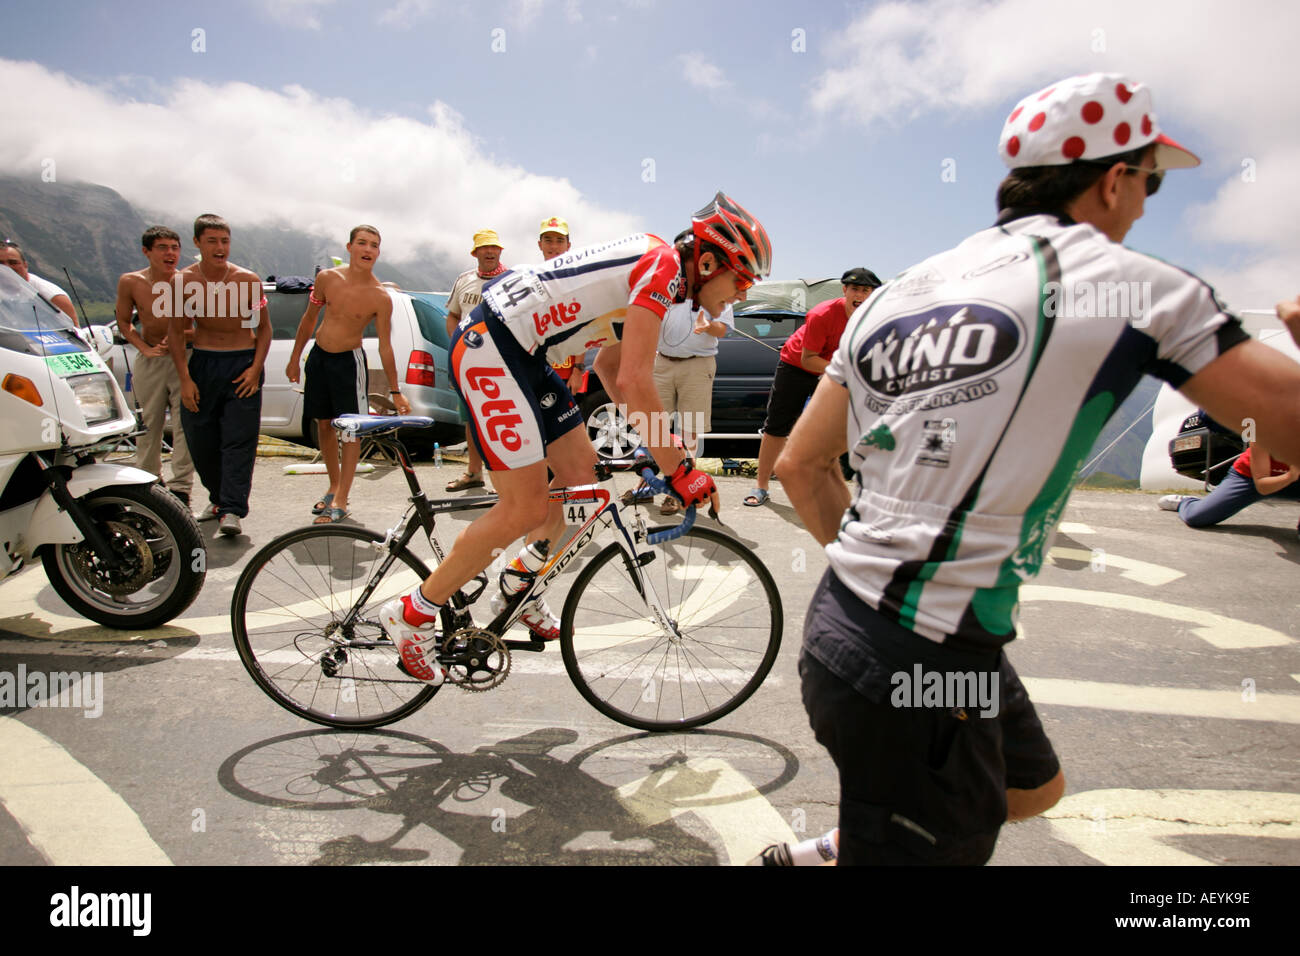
(1221, 77)
(699, 71)
(288, 156)
(294, 13)
(406, 12)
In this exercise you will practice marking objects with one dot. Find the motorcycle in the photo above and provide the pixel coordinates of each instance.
(116, 546)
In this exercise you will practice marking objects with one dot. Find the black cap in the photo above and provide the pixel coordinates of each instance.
(860, 275)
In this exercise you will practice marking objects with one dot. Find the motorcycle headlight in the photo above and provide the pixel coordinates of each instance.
(95, 398)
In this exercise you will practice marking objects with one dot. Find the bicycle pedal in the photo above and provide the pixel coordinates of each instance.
(534, 645)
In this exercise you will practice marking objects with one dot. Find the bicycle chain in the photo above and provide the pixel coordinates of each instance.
(466, 655)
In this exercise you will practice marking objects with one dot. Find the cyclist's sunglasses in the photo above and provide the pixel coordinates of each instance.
(743, 282)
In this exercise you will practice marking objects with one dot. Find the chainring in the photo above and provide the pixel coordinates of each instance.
(130, 546)
(475, 659)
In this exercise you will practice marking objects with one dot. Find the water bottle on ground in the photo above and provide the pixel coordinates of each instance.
(437, 455)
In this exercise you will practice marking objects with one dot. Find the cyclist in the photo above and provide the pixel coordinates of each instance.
(610, 295)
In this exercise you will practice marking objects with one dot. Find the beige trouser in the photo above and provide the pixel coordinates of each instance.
(157, 385)
(686, 387)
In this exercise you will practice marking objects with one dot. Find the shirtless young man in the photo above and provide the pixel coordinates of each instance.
(221, 385)
(336, 367)
(150, 293)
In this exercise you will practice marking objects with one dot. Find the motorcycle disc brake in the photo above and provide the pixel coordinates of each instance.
(131, 547)
(475, 659)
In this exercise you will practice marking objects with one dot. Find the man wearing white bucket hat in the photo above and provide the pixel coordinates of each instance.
(968, 391)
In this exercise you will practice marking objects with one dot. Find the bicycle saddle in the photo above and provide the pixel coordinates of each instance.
(379, 424)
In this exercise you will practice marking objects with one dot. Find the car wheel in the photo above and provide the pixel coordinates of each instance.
(608, 429)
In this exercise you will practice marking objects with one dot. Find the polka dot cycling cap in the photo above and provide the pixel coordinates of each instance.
(1087, 117)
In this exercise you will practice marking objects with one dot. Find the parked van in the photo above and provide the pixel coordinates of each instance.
(420, 353)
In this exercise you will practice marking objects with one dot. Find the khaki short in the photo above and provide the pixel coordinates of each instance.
(686, 387)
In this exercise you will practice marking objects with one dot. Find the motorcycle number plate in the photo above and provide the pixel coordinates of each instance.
(71, 363)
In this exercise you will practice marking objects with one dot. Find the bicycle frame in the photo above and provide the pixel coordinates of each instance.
(423, 513)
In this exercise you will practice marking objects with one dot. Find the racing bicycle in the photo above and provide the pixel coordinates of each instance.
(662, 629)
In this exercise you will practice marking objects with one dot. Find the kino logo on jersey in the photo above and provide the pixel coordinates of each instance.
(937, 347)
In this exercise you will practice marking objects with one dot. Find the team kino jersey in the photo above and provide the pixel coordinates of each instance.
(978, 382)
(578, 300)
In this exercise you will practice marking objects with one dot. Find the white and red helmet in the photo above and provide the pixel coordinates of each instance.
(743, 240)
(1085, 118)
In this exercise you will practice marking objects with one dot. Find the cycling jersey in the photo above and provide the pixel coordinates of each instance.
(578, 300)
(978, 381)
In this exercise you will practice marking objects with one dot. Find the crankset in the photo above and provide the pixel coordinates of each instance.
(475, 659)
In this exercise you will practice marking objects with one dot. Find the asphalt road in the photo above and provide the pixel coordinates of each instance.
(1163, 662)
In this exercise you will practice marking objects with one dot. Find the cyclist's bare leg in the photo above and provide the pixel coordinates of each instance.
(522, 506)
(573, 461)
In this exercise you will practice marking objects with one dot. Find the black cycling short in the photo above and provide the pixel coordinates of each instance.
(918, 784)
(791, 389)
(335, 383)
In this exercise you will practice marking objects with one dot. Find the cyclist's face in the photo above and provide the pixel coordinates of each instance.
(718, 290)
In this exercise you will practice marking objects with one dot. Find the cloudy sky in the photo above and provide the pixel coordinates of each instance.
(861, 133)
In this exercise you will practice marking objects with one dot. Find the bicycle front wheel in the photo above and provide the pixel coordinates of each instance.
(719, 641)
(293, 625)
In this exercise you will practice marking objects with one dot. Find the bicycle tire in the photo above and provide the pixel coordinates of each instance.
(284, 621)
(728, 616)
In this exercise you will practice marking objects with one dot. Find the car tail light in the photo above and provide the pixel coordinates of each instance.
(420, 369)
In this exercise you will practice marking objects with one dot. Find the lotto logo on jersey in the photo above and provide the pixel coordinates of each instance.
(942, 346)
(557, 317)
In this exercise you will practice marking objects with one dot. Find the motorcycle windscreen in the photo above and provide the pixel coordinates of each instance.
(30, 324)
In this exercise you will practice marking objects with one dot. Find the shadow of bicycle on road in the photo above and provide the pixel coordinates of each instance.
(636, 799)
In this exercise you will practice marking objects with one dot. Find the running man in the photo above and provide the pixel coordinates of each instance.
(610, 296)
(968, 400)
(221, 384)
(336, 368)
(150, 294)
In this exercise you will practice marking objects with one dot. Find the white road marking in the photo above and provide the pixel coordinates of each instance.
(1223, 632)
(745, 822)
(1141, 827)
(1178, 701)
(70, 816)
(1141, 571)
(1074, 527)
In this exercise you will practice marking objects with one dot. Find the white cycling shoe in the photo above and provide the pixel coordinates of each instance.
(417, 646)
(537, 617)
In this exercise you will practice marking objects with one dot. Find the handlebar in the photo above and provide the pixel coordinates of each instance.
(659, 486)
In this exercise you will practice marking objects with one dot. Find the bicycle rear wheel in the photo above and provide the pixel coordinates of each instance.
(723, 634)
(289, 618)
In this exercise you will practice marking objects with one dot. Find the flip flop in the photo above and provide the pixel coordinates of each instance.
(757, 497)
(466, 481)
(331, 516)
(642, 494)
(322, 506)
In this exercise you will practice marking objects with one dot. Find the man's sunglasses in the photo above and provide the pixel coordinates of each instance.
(1155, 175)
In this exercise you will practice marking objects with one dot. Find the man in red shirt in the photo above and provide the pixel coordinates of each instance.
(803, 359)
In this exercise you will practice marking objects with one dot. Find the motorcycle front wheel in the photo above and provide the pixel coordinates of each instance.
(163, 562)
